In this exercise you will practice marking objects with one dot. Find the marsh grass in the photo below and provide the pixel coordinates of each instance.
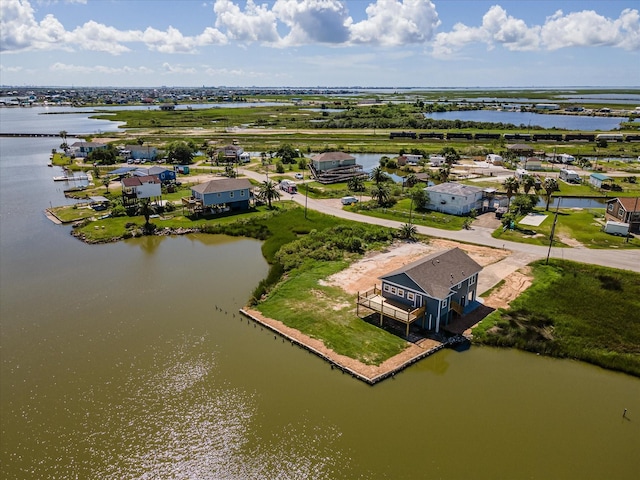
(573, 310)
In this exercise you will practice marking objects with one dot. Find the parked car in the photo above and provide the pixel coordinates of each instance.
(348, 200)
(299, 176)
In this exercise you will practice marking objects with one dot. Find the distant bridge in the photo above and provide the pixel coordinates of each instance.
(34, 135)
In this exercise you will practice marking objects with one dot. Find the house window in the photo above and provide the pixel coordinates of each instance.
(411, 296)
(621, 213)
(401, 293)
(394, 291)
(242, 193)
(386, 288)
(219, 194)
(610, 207)
(230, 194)
(445, 302)
(472, 280)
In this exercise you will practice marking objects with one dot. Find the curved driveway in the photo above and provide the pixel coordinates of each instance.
(523, 253)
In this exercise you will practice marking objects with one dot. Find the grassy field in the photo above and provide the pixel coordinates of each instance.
(301, 302)
(573, 310)
(401, 212)
(73, 213)
(581, 225)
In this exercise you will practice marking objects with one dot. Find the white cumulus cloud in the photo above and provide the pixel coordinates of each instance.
(254, 24)
(313, 21)
(585, 29)
(588, 28)
(20, 31)
(394, 23)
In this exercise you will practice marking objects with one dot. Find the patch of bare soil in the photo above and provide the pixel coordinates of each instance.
(363, 274)
(572, 242)
(513, 285)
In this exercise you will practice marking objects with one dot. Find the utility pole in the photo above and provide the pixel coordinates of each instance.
(306, 197)
(631, 217)
(553, 229)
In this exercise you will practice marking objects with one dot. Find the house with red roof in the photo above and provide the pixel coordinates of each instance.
(624, 210)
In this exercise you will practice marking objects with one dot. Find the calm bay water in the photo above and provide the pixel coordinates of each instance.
(130, 361)
(569, 122)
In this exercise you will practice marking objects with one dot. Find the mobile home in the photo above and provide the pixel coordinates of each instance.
(569, 176)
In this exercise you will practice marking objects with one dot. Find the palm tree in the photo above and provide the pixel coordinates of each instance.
(550, 185)
(528, 182)
(356, 184)
(443, 173)
(381, 193)
(408, 231)
(106, 182)
(378, 176)
(410, 180)
(268, 191)
(64, 146)
(511, 185)
(146, 210)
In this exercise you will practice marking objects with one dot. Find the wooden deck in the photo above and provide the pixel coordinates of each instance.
(373, 300)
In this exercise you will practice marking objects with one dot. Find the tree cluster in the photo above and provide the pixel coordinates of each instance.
(103, 156)
(181, 152)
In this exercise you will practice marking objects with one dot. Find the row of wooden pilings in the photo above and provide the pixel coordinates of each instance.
(344, 369)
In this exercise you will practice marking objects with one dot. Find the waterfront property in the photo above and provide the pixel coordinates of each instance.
(136, 188)
(219, 195)
(458, 199)
(233, 154)
(333, 167)
(625, 210)
(430, 291)
(83, 149)
(409, 159)
(598, 179)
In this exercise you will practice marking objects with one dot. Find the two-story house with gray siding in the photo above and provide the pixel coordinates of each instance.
(436, 286)
(234, 193)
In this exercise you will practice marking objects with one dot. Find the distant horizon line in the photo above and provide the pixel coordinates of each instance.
(321, 87)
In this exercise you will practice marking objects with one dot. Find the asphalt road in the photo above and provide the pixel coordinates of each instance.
(523, 253)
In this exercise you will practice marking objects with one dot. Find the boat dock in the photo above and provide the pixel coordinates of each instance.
(71, 178)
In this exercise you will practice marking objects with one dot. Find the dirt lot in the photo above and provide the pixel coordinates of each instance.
(363, 274)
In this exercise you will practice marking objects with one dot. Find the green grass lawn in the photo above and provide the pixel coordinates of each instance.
(301, 302)
(400, 212)
(582, 225)
(110, 229)
(573, 310)
(71, 213)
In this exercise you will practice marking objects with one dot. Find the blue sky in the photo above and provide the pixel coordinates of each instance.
(309, 43)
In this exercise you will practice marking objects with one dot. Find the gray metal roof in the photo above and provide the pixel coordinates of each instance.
(454, 188)
(332, 157)
(222, 185)
(437, 273)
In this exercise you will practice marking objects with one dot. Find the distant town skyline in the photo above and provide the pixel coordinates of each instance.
(320, 43)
